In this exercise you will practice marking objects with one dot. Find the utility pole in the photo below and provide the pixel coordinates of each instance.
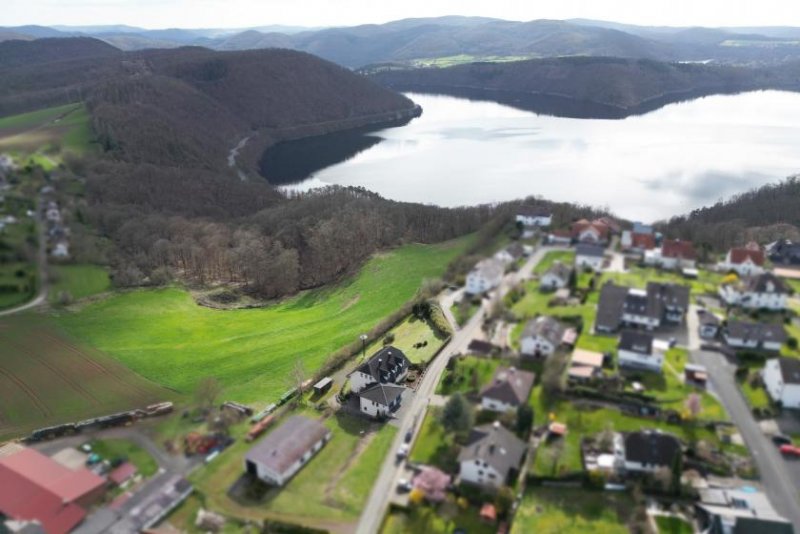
(363, 338)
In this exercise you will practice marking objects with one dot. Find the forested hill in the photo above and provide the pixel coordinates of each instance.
(627, 85)
(764, 214)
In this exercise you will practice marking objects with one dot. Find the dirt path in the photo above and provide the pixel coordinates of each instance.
(234, 153)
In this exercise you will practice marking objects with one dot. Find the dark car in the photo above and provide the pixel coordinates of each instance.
(781, 440)
(409, 435)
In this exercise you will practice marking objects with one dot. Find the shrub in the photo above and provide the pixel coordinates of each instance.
(388, 339)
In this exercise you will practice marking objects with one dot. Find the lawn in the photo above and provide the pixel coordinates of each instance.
(443, 519)
(756, 396)
(165, 336)
(707, 282)
(673, 525)
(572, 511)
(41, 137)
(469, 375)
(464, 313)
(333, 487)
(410, 332)
(79, 281)
(110, 449)
(564, 256)
(433, 445)
(17, 284)
(46, 377)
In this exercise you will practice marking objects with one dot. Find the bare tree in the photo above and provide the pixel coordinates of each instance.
(207, 392)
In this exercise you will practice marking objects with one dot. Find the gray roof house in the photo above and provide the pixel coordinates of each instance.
(609, 307)
(541, 336)
(585, 249)
(650, 450)
(491, 455)
(509, 388)
(648, 307)
(766, 336)
(734, 511)
(386, 365)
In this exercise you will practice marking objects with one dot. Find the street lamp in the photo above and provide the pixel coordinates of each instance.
(363, 338)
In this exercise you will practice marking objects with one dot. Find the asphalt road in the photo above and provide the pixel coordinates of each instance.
(776, 475)
(383, 487)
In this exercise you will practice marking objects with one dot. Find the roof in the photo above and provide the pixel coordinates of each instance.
(383, 394)
(708, 318)
(587, 358)
(761, 332)
(510, 385)
(495, 445)
(384, 360)
(599, 226)
(636, 341)
(560, 270)
(767, 283)
(742, 254)
(282, 447)
(643, 241)
(583, 249)
(677, 248)
(516, 250)
(671, 295)
(641, 228)
(609, 306)
(122, 473)
(489, 268)
(642, 303)
(651, 447)
(545, 327)
(790, 370)
(749, 511)
(478, 346)
(323, 383)
(488, 512)
(581, 371)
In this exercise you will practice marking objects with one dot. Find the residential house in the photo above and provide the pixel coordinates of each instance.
(387, 366)
(709, 324)
(673, 254)
(782, 381)
(584, 231)
(541, 336)
(510, 387)
(636, 242)
(585, 365)
(764, 291)
(784, 252)
(754, 336)
(556, 277)
(491, 456)
(745, 261)
(486, 276)
(559, 237)
(589, 256)
(641, 228)
(648, 451)
(285, 450)
(738, 511)
(511, 253)
(649, 308)
(380, 400)
(636, 350)
(533, 217)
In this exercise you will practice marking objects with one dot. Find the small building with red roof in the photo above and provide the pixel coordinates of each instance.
(124, 472)
(596, 232)
(745, 261)
(36, 487)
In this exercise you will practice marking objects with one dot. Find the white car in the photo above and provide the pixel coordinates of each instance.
(402, 452)
(404, 486)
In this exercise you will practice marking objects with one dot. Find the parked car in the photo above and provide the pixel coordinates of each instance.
(403, 486)
(790, 450)
(402, 452)
(409, 435)
(780, 440)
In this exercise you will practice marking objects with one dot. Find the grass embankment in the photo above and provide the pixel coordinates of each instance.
(79, 281)
(416, 338)
(165, 336)
(111, 449)
(433, 444)
(572, 511)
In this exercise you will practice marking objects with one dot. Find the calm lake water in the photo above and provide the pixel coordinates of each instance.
(463, 152)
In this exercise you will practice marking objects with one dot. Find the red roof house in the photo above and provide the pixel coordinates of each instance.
(122, 473)
(740, 255)
(677, 248)
(35, 487)
(594, 231)
(643, 241)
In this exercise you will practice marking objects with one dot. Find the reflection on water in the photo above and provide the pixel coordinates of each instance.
(459, 152)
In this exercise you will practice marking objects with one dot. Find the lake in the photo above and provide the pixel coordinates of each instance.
(464, 152)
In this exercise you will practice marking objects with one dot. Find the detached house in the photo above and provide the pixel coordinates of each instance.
(597, 231)
(541, 336)
(647, 308)
(491, 456)
(765, 291)
(589, 256)
(376, 382)
(709, 324)
(508, 390)
(556, 277)
(673, 254)
(636, 350)
(784, 252)
(782, 381)
(530, 216)
(650, 450)
(510, 254)
(756, 336)
(636, 242)
(486, 276)
(745, 261)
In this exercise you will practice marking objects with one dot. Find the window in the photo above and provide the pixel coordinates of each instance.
(480, 473)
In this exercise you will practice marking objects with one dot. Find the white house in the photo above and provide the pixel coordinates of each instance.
(486, 276)
(541, 336)
(559, 237)
(491, 455)
(636, 350)
(755, 336)
(596, 232)
(510, 254)
(534, 217)
(61, 250)
(380, 400)
(508, 390)
(782, 381)
(589, 257)
(764, 291)
(673, 254)
(285, 450)
(388, 365)
(650, 450)
(556, 277)
(745, 261)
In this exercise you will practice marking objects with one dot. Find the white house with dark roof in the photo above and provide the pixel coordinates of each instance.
(648, 308)
(285, 450)
(756, 336)
(765, 291)
(533, 217)
(388, 365)
(541, 336)
(782, 381)
(511, 253)
(492, 454)
(380, 400)
(556, 277)
(650, 450)
(636, 350)
(510, 387)
(589, 256)
(485, 276)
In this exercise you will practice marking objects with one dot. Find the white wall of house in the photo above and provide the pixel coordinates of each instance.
(746, 268)
(559, 240)
(480, 473)
(477, 284)
(653, 362)
(372, 408)
(495, 405)
(551, 281)
(359, 381)
(751, 300)
(537, 220)
(504, 257)
(589, 235)
(593, 262)
(787, 394)
(279, 479)
(654, 258)
(649, 323)
(642, 468)
(531, 346)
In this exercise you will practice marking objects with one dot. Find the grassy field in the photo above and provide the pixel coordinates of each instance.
(673, 525)
(572, 511)
(47, 377)
(331, 488)
(443, 519)
(165, 336)
(460, 59)
(79, 281)
(461, 378)
(432, 444)
(21, 276)
(566, 257)
(411, 331)
(110, 449)
(707, 282)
